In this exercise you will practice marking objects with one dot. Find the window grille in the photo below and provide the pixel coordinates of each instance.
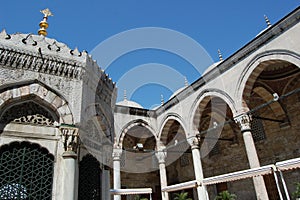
(28, 113)
(26, 172)
(89, 179)
(257, 130)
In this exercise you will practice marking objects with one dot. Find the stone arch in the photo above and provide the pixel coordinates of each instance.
(130, 125)
(255, 67)
(40, 92)
(166, 124)
(291, 84)
(200, 103)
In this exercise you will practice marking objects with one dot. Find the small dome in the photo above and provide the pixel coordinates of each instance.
(177, 92)
(128, 103)
(211, 67)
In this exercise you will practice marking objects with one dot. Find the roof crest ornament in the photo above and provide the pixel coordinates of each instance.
(220, 55)
(44, 24)
(267, 21)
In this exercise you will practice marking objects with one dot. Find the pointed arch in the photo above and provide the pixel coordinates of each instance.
(37, 92)
(167, 122)
(200, 103)
(132, 124)
(256, 66)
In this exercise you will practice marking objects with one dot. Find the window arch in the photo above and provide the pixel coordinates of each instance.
(26, 172)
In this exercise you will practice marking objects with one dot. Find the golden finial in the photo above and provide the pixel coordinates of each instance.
(267, 21)
(44, 24)
(220, 55)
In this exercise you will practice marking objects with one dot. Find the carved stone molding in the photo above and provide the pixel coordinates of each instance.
(17, 60)
(244, 121)
(69, 137)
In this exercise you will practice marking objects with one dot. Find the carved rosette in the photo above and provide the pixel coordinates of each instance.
(244, 121)
(69, 137)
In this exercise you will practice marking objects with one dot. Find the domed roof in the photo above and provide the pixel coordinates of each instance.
(186, 84)
(211, 67)
(177, 92)
(129, 103)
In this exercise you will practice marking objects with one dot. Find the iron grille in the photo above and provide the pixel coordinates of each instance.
(26, 172)
(89, 179)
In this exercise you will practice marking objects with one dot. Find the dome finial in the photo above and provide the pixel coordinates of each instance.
(125, 95)
(186, 83)
(44, 24)
(267, 21)
(220, 55)
(162, 101)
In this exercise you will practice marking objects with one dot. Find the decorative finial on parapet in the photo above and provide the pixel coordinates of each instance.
(44, 24)
(162, 101)
(186, 83)
(220, 55)
(125, 95)
(267, 21)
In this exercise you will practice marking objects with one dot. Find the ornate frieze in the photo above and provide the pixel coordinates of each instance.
(42, 64)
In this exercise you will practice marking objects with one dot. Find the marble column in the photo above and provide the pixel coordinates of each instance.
(70, 140)
(161, 155)
(244, 121)
(201, 189)
(117, 152)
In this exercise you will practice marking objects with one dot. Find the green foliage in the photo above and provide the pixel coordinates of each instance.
(296, 193)
(138, 197)
(225, 195)
(182, 196)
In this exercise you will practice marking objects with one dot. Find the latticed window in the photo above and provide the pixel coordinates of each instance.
(89, 179)
(257, 129)
(26, 172)
(29, 113)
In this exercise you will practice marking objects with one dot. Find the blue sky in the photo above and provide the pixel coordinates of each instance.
(224, 25)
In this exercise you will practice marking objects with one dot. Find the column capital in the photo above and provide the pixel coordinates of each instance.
(244, 121)
(69, 135)
(161, 156)
(117, 153)
(194, 142)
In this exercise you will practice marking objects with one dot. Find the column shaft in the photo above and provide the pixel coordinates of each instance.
(259, 184)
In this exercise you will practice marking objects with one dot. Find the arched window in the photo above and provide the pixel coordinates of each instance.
(89, 179)
(26, 172)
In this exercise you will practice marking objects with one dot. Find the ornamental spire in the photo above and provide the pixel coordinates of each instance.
(267, 21)
(125, 95)
(220, 55)
(44, 24)
(162, 101)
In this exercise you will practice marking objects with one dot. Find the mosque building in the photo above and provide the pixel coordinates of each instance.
(63, 136)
